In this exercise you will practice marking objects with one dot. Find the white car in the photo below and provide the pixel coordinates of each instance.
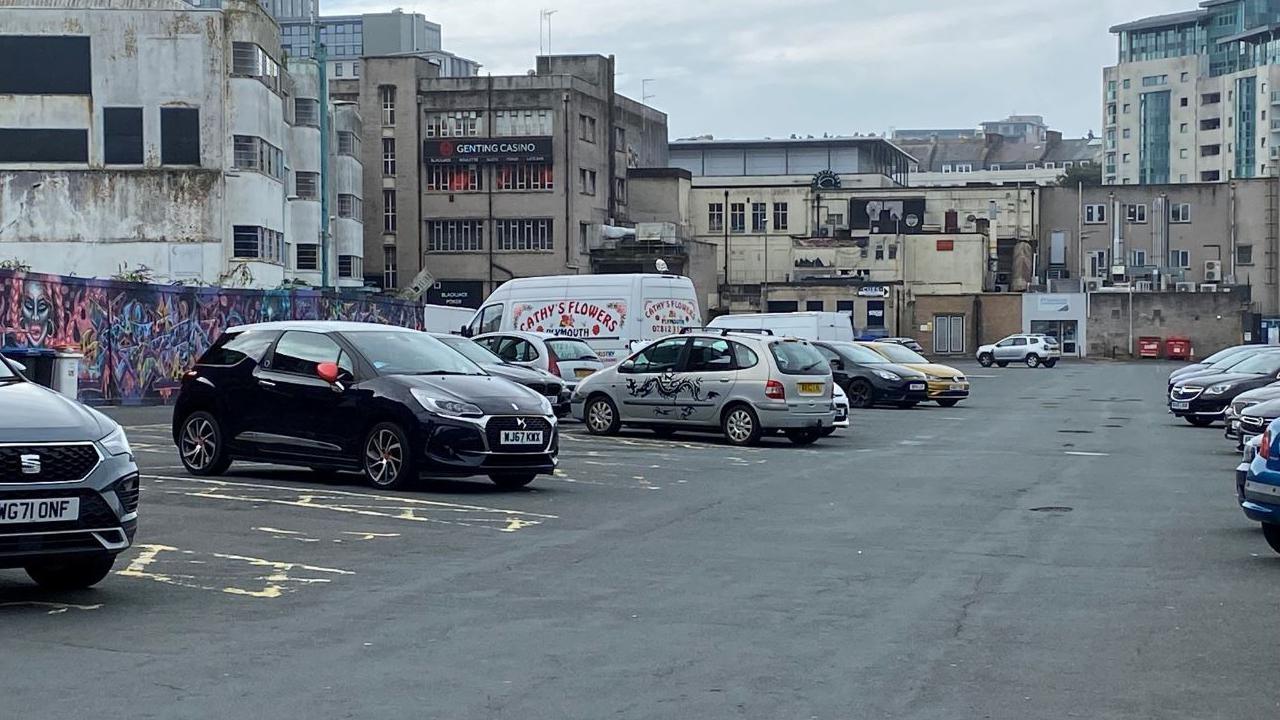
(1032, 350)
(841, 403)
(569, 359)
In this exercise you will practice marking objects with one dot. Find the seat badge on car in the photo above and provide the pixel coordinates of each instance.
(30, 464)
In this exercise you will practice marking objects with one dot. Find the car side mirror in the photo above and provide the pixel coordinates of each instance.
(627, 366)
(21, 368)
(837, 365)
(328, 372)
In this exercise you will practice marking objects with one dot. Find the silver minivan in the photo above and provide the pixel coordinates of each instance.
(744, 385)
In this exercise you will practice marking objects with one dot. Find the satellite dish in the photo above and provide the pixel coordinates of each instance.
(661, 265)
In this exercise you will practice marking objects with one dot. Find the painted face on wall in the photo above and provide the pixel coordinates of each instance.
(36, 312)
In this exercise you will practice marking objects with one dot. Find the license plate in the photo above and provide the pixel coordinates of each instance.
(521, 437)
(810, 388)
(38, 511)
(916, 386)
(583, 372)
(1178, 405)
(958, 387)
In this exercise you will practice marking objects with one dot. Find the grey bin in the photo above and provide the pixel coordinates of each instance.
(66, 373)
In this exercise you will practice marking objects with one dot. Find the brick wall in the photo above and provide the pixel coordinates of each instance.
(1212, 320)
(988, 317)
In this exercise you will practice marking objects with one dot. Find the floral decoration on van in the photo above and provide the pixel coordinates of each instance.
(571, 318)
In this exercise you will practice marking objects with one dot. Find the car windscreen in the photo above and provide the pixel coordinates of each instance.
(900, 354)
(798, 358)
(409, 353)
(474, 351)
(1233, 360)
(569, 349)
(1224, 354)
(1262, 364)
(859, 354)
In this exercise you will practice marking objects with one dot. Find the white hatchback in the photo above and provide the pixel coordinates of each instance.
(569, 359)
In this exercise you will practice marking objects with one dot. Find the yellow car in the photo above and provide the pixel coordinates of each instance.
(947, 385)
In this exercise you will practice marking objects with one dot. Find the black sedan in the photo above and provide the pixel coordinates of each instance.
(537, 380)
(1223, 364)
(869, 379)
(1203, 399)
(389, 402)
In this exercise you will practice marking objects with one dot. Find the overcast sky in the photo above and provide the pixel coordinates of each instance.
(756, 68)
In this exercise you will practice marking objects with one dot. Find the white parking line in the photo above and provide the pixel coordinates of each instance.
(1081, 453)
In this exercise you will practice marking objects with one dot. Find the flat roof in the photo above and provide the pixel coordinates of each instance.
(784, 142)
(1155, 21)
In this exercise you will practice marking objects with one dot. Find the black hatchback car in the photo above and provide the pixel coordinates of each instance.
(1203, 399)
(869, 379)
(390, 402)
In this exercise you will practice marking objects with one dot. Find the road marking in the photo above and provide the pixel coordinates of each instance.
(1081, 453)
(287, 534)
(58, 608)
(370, 535)
(278, 580)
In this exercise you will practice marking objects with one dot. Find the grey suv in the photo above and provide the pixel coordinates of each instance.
(1032, 350)
(743, 385)
(68, 486)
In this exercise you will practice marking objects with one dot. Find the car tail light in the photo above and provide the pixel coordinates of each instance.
(774, 390)
(553, 365)
(1264, 447)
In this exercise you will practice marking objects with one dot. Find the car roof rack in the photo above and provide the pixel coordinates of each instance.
(722, 332)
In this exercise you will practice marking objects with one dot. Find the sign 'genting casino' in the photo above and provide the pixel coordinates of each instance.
(461, 151)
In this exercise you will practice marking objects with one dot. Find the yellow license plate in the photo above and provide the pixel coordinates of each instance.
(583, 372)
(810, 388)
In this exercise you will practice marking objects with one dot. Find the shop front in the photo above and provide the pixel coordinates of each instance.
(1059, 315)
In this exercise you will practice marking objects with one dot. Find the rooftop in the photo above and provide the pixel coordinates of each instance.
(1155, 21)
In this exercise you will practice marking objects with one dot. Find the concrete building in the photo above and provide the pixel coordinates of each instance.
(480, 180)
(160, 137)
(347, 38)
(1189, 97)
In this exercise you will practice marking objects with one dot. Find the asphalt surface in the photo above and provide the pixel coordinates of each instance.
(1056, 547)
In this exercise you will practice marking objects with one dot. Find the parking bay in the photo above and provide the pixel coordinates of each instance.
(1056, 545)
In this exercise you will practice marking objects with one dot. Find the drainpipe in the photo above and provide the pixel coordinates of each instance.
(321, 58)
(1231, 214)
(724, 224)
(568, 194)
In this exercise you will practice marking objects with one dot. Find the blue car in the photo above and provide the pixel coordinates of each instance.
(1258, 484)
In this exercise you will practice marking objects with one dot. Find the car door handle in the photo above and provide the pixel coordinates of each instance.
(266, 383)
(725, 380)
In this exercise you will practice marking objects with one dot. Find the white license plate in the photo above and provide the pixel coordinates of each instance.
(1179, 405)
(521, 437)
(39, 511)
(916, 386)
(958, 387)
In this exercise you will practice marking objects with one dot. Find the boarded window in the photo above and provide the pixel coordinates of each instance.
(44, 65)
(29, 145)
(122, 136)
(179, 136)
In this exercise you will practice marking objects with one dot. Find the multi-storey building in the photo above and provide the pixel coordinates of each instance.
(1194, 95)
(347, 38)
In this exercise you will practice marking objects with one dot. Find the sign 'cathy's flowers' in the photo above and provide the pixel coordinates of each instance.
(572, 318)
(668, 317)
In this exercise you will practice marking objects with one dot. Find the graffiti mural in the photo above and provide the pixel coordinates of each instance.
(138, 339)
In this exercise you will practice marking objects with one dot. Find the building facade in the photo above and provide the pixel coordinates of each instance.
(347, 38)
(1193, 96)
(1018, 149)
(157, 142)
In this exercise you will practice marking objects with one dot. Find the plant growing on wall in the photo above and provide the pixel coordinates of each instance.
(140, 274)
(15, 264)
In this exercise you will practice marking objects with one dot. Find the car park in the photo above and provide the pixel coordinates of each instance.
(1203, 399)
(1031, 350)
(69, 487)
(540, 381)
(945, 385)
(570, 359)
(868, 378)
(743, 385)
(389, 402)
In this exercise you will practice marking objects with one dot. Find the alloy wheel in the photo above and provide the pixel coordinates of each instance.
(739, 426)
(601, 416)
(384, 457)
(198, 443)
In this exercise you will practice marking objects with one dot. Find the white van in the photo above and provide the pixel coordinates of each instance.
(610, 312)
(831, 326)
(445, 318)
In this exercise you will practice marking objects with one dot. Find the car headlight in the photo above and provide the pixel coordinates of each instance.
(888, 375)
(446, 408)
(544, 405)
(116, 442)
(1218, 389)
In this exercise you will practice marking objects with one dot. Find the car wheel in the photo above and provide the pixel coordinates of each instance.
(985, 360)
(1198, 421)
(1272, 534)
(664, 432)
(907, 405)
(860, 393)
(828, 431)
(71, 574)
(1050, 362)
(741, 425)
(1032, 360)
(513, 481)
(200, 445)
(1002, 363)
(949, 402)
(602, 416)
(804, 437)
(388, 457)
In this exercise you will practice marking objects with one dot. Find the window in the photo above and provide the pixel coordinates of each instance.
(489, 319)
(946, 169)
(1136, 213)
(1030, 166)
(620, 190)
(780, 216)
(1211, 98)
(306, 111)
(306, 185)
(1126, 109)
(1244, 254)
(587, 128)
(348, 143)
(1095, 214)
(307, 256)
(350, 266)
(355, 68)
(893, 251)
(455, 178)
(1182, 102)
(964, 168)
(233, 349)
(584, 236)
(1210, 176)
(179, 136)
(254, 153)
(350, 206)
(523, 176)
(1210, 150)
(337, 69)
(44, 145)
(457, 123)
(879, 251)
(1184, 153)
(1125, 158)
(1155, 80)
(715, 217)
(249, 60)
(388, 157)
(1179, 259)
(709, 355)
(1185, 77)
(1139, 258)
(388, 210)
(659, 357)
(455, 235)
(1125, 133)
(586, 181)
(301, 352)
(1050, 166)
(508, 123)
(122, 136)
(45, 65)
(995, 167)
(759, 214)
(1098, 264)
(1180, 212)
(1126, 83)
(737, 217)
(835, 219)
(524, 234)
(387, 96)
(1211, 124)
(251, 241)
(620, 138)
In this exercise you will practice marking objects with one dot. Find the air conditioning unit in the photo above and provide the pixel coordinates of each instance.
(1092, 285)
(1185, 287)
(1213, 271)
(1209, 287)
(1002, 288)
